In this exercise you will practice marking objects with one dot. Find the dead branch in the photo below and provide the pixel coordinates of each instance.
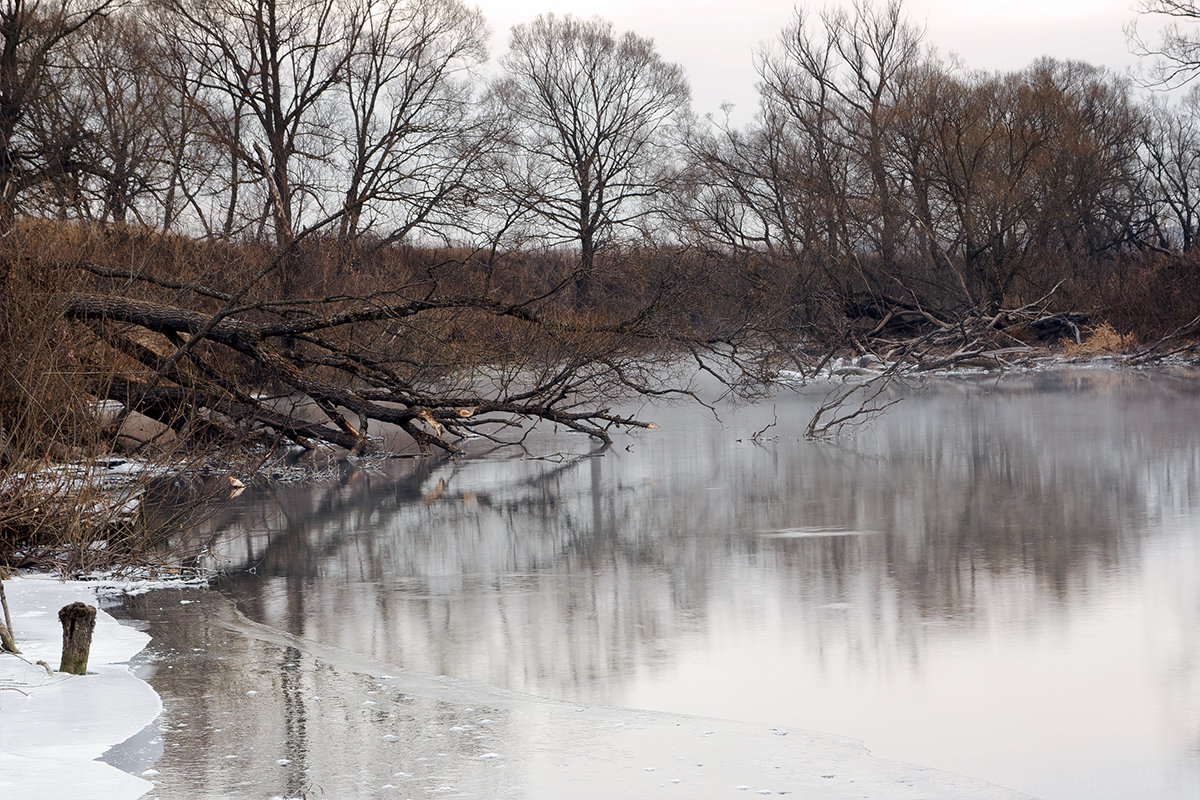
(1161, 350)
(757, 436)
(346, 358)
(838, 410)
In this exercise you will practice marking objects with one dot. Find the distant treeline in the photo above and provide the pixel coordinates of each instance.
(873, 168)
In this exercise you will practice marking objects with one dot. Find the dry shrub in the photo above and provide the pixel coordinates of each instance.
(55, 510)
(75, 519)
(1146, 296)
(1102, 341)
(45, 363)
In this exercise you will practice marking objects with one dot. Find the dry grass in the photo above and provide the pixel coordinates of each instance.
(1103, 340)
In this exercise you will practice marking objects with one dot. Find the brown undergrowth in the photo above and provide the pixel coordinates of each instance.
(1144, 297)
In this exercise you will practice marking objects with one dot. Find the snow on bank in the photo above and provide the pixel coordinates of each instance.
(53, 727)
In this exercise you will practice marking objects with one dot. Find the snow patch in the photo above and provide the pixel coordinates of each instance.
(56, 725)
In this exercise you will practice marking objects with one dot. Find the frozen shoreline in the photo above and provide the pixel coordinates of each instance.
(553, 749)
(53, 727)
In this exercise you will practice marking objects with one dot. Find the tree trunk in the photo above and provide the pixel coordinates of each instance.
(587, 260)
(8, 639)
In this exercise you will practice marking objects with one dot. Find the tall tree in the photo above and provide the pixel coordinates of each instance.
(592, 111)
(413, 134)
(836, 80)
(1171, 158)
(275, 65)
(31, 34)
(118, 98)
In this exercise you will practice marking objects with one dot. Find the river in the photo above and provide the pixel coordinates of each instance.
(998, 578)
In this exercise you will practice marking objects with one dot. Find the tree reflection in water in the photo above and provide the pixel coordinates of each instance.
(976, 517)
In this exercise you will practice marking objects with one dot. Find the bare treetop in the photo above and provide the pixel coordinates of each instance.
(1177, 51)
(592, 108)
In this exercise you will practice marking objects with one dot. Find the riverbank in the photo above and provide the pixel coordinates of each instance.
(56, 726)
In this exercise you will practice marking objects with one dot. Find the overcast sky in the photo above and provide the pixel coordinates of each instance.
(715, 39)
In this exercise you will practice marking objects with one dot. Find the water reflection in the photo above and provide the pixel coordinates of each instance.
(999, 578)
(239, 711)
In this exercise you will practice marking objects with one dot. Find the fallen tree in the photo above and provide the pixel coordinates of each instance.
(433, 358)
(893, 341)
(916, 337)
(348, 380)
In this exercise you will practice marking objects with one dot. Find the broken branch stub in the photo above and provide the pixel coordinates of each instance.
(8, 642)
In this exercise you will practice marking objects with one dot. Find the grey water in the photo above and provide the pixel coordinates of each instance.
(998, 577)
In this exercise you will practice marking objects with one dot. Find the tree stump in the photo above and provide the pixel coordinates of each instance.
(78, 621)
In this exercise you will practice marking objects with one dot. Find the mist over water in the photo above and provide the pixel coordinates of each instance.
(999, 577)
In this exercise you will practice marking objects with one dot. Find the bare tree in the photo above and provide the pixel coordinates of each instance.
(592, 114)
(889, 193)
(815, 191)
(837, 80)
(1176, 53)
(1171, 156)
(31, 34)
(414, 135)
(275, 65)
(975, 178)
(113, 94)
(193, 178)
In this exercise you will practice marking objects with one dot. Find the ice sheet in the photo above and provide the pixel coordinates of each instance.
(53, 727)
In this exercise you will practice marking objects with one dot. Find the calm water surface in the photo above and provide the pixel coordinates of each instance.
(999, 578)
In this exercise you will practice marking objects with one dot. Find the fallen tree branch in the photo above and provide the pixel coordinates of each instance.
(1156, 351)
(832, 417)
(344, 356)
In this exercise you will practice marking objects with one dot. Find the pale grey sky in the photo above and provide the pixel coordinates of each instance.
(715, 39)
